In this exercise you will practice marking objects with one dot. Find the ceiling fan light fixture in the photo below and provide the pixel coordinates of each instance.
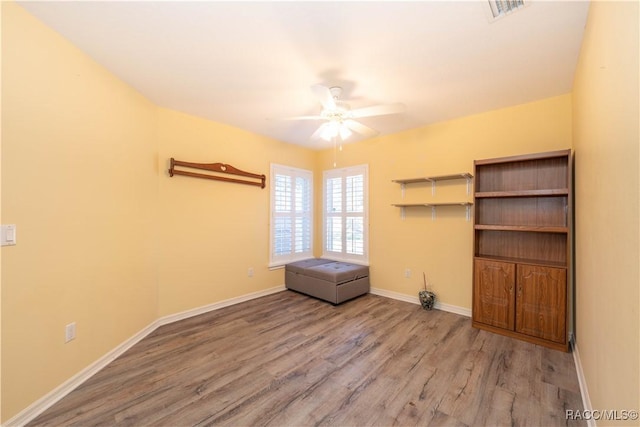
(340, 117)
(333, 129)
(345, 132)
(330, 130)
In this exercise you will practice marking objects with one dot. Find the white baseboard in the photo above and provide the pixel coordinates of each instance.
(48, 400)
(586, 401)
(582, 381)
(42, 404)
(415, 300)
(32, 411)
(217, 305)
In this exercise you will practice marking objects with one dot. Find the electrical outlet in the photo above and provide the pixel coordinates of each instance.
(70, 332)
(407, 272)
(250, 272)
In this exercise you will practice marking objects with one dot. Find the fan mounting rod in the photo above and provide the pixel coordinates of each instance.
(336, 91)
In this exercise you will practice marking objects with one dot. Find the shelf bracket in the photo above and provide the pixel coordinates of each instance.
(468, 213)
(433, 188)
(402, 213)
(433, 213)
(468, 186)
(402, 186)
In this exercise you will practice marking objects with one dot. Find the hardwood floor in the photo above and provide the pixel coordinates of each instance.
(291, 360)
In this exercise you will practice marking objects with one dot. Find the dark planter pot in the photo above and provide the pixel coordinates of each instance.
(427, 299)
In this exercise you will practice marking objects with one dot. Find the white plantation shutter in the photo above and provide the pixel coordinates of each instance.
(291, 214)
(346, 214)
(333, 214)
(354, 227)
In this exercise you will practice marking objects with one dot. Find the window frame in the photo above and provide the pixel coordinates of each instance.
(342, 255)
(275, 260)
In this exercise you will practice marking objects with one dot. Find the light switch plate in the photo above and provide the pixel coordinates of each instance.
(8, 235)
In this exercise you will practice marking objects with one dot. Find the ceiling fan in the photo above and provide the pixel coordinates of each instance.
(339, 117)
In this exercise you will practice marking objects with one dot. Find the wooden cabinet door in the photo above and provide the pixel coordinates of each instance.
(493, 298)
(541, 302)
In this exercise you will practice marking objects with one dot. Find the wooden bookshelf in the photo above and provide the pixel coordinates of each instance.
(522, 246)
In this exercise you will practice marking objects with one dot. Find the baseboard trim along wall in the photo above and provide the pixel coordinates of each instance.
(44, 403)
(582, 381)
(41, 405)
(218, 305)
(586, 401)
(415, 300)
(32, 411)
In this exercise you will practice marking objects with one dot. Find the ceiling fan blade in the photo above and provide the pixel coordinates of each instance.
(318, 133)
(378, 110)
(304, 118)
(324, 96)
(360, 128)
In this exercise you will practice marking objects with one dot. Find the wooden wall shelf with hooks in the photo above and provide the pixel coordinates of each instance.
(217, 172)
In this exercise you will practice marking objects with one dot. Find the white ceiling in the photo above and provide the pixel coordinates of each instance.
(251, 64)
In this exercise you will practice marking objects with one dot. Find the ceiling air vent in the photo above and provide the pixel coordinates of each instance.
(500, 8)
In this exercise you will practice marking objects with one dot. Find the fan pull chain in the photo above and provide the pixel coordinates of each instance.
(336, 147)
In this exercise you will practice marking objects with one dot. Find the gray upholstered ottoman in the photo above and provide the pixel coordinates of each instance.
(331, 281)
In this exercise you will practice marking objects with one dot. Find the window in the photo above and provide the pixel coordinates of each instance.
(291, 214)
(345, 216)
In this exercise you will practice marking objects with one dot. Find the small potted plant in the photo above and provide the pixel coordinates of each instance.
(427, 298)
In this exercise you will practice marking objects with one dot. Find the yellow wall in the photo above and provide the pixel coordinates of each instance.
(1, 219)
(79, 180)
(606, 136)
(105, 238)
(443, 248)
(212, 232)
(108, 240)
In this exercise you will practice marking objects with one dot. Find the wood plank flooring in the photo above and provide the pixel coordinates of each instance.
(291, 360)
